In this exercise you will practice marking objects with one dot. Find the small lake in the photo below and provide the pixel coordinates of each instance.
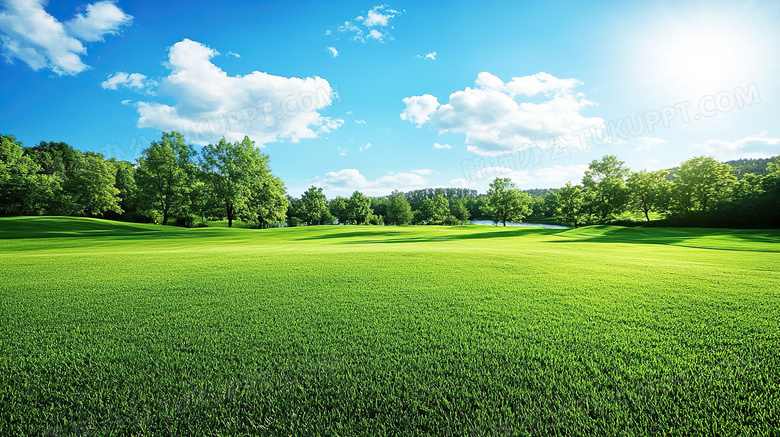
(530, 225)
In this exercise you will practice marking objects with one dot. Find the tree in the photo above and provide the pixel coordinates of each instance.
(605, 182)
(435, 210)
(166, 175)
(699, 182)
(233, 170)
(338, 208)
(124, 177)
(314, 206)
(17, 177)
(398, 211)
(268, 204)
(459, 211)
(571, 205)
(550, 203)
(359, 208)
(648, 191)
(506, 203)
(379, 206)
(92, 187)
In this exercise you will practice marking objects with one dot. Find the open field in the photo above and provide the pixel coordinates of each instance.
(126, 328)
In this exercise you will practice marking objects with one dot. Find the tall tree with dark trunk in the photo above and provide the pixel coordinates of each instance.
(606, 194)
(241, 181)
(648, 191)
(166, 175)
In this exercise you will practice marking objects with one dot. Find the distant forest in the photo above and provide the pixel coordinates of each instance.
(171, 183)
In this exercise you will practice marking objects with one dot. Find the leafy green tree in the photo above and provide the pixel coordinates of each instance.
(550, 204)
(338, 208)
(18, 182)
(699, 182)
(606, 186)
(233, 170)
(648, 191)
(294, 212)
(506, 203)
(315, 206)
(92, 187)
(359, 208)
(379, 206)
(398, 211)
(166, 175)
(435, 210)
(571, 205)
(459, 211)
(268, 204)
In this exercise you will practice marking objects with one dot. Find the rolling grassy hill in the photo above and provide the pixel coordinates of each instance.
(123, 328)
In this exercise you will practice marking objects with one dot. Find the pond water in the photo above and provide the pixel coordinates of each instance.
(532, 225)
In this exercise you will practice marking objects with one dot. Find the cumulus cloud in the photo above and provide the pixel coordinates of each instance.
(346, 181)
(374, 25)
(419, 108)
(33, 36)
(753, 146)
(333, 51)
(122, 79)
(499, 117)
(210, 104)
(441, 146)
(648, 143)
(102, 18)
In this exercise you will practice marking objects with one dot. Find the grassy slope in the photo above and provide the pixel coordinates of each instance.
(343, 330)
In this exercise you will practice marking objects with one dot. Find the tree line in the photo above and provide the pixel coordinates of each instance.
(700, 192)
(171, 183)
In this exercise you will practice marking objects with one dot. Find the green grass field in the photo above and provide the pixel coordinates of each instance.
(118, 328)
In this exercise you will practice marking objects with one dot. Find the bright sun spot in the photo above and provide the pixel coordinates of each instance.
(701, 55)
(704, 60)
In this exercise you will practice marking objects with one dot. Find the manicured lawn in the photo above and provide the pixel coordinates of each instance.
(125, 328)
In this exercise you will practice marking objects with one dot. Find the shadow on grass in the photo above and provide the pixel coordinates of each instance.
(509, 233)
(13, 228)
(702, 238)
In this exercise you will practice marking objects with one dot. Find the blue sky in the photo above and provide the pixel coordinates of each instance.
(400, 95)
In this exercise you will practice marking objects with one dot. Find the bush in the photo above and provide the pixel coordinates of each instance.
(185, 221)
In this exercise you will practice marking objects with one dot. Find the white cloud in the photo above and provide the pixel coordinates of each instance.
(333, 51)
(330, 124)
(419, 108)
(494, 118)
(210, 104)
(32, 35)
(233, 54)
(648, 143)
(423, 171)
(753, 146)
(346, 181)
(441, 146)
(379, 16)
(462, 183)
(360, 122)
(368, 145)
(122, 79)
(102, 18)
(375, 25)
(558, 175)
(431, 56)
(342, 152)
